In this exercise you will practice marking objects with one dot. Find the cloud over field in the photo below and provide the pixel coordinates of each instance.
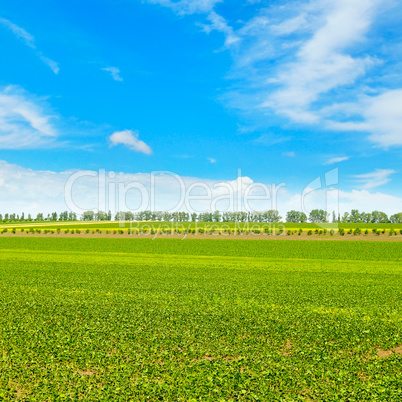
(30, 191)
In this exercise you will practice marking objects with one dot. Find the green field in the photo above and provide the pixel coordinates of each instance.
(105, 225)
(169, 319)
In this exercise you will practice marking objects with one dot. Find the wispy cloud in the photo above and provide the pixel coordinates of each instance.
(271, 139)
(301, 60)
(380, 115)
(23, 121)
(29, 40)
(289, 154)
(374, 179)
(322, 62)
(114, 72)
(218, 23)
(336, 159)
(211, 160)
(214, 21)
(130, 140)
(188, 6)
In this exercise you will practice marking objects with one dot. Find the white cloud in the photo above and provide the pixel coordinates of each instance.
(289, 26)
(337, 159)
(33, 191)
(29, 40)
(212, 160)
(114, 72)
(271, 139)
(322, 63)
(218, 23)
(374, 179)
(130, 139)
(289, 57)
(188, 6)
(289, 154)
(23, 121)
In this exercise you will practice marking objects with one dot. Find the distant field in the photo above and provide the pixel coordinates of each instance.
(191, 225)
(167, 319)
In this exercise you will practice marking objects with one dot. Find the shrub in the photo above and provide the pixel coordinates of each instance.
(342, 232)
(300, 231)
(357, 231)
(332, 232)
(66, 231)
(350, 231)
(366, 232)
(310, 232)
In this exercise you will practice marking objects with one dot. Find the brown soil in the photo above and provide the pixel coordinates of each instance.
(386, 353)
(287, 348)
(87, 372)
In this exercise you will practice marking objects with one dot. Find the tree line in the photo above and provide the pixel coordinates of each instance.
(270, 216)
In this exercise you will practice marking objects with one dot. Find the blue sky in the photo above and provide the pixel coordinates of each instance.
(284, 90)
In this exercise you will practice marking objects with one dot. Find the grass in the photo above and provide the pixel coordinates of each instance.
(107, 225)
(102, 319)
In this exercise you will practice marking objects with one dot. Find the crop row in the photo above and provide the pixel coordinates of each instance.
(217, 231)
(326, 250)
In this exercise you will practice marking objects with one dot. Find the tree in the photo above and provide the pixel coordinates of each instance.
(379, 217)
(167, 216)
(216, 217)
(318, 216)
(296, 217)
(355, 216)
(88, 216)
(271, 216)
(365, 217)
(100, 216)
(346, 217)
(396, 218)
